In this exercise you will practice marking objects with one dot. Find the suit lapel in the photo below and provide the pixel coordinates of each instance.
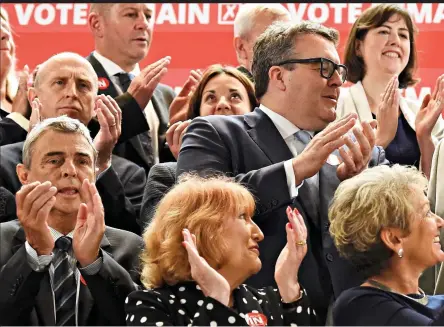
(44, 304)
(158, 104)
(267, 137)
(360, 102)
(101, 73)
(328, 183)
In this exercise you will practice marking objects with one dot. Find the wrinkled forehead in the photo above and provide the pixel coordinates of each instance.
(68, 68)
(146, 7)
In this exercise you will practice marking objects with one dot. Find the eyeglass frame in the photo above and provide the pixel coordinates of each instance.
(316, 60)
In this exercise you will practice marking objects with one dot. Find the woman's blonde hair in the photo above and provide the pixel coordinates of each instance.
(377, 198)
(201, 205)
(11, 78)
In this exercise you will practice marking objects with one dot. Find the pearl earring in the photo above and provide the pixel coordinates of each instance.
(400, 252)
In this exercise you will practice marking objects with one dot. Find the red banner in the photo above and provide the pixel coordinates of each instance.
(198, 35)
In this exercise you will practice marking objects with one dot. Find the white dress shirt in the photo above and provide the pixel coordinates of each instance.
(112, 69)
(287, 130)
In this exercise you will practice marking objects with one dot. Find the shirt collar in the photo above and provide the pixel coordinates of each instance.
(111, 68)
(283, 125)
(56, 234)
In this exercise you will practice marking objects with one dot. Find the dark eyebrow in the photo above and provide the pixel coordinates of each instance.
(54, 153)
(402, 28)
(234, 90)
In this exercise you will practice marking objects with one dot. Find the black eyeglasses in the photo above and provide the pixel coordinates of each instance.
(327, 70)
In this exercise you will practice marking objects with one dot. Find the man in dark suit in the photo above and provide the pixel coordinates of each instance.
(122, 34)
(251, 20)
(120, 182)
(283, 151)
(60, 264)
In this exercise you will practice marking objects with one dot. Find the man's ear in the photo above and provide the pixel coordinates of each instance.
(276, 76)
(22, 173)
(31, 94)
(95, 23)
(239, 47)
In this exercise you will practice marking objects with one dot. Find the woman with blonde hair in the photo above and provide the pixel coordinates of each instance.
(381, 221)
(381, 58)
(200, 248)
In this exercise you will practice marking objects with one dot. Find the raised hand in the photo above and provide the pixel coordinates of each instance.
(316, 153)
(179, 107)
(20, 103)
(109, 115)
(34, 202)
(174, 136)
(288, 262)
(356, 158)
(143, 85)
(90, 226)
(36, 107)
(387, 114)
(431, 108)
(210, 281)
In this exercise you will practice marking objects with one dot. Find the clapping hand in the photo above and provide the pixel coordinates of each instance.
(288, 262)
(210, 281)
(174, 136)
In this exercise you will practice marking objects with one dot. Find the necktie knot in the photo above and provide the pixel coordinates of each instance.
(303, 136)
(63, 243)
(125, 80)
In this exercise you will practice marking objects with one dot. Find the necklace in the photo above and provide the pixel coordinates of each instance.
(424, 299)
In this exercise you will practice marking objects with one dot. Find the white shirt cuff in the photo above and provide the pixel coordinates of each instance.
(291, 179)
(19, 119)
(36, 262)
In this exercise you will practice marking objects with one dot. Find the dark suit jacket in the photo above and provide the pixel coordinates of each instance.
(161, 179)
(120, 187)
(132, 149)
(247, 73)
(7, 205)
(250, 148)
(26, 296)
(11, 132)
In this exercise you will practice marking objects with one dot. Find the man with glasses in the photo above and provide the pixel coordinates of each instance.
(290, 151)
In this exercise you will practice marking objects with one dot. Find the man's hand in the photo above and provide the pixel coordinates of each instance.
(179, 106)
(34, 202)
(174, 136)
(110, 120)
(20, 104)
(36, 107)
(90, 226)
(316, 153)
(143, 85)
(357, 157)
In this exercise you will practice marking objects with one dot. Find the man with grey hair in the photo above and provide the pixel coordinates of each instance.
(59, 263)
(66, 84)
(251, 21)
(290, 151)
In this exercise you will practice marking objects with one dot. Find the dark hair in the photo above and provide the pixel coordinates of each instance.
(276, 44)
(211, 72)
(372, 18)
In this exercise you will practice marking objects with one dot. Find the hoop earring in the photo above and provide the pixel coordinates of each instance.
(400, 252)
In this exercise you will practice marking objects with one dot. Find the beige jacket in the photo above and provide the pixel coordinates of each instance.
(354, 100)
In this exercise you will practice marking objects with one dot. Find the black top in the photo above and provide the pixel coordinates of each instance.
(404, 148)
(3, 113)
(185, 304)
(369, 306)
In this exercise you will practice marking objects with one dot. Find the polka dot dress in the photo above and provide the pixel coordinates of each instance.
(184, 304)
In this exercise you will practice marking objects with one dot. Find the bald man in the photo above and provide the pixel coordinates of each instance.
(66, 84)
(251, 21)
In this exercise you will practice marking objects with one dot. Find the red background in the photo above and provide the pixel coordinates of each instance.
(199, 44)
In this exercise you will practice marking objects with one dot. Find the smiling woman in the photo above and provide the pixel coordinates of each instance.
(381, 221)
(381, 58)
(200, 248)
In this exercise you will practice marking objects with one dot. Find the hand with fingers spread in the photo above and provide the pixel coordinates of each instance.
(34, 202)
(143, 85)
(90, 225)
(174, 136)
(288, 262)
(20, 103)
(179, 106)
(431, 108)
(356, 158)
(210, 281)
(387, 114)
(309, 162)
(36, 107)
(109, 115)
